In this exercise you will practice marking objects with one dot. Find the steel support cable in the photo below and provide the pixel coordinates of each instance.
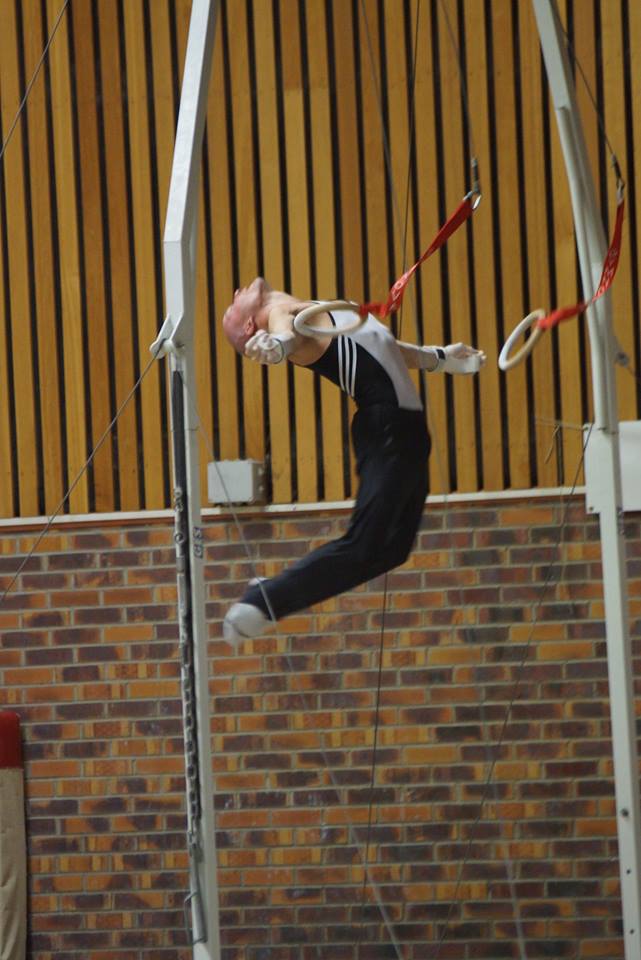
(41, 61)
(51, 520)
(3, 148)
(546, 584)
(492, 760)
(508, 861)
(584, 78)
(470, 142)
(372, 782)
(401, 224)
(402, 228)
(352, 833)
(624, 361)
(469, 129)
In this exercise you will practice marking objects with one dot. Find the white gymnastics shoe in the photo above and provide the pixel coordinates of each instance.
(243, 620)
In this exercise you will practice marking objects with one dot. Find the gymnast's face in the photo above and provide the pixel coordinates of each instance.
(240, 320)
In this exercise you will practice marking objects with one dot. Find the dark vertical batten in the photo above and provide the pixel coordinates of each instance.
(233, 221)
(284, 212)
(467, 147)
(7, 334)
(106, 252)
(82, 266)
(157, 235)
(360, 147)
(551, 260)
(630, 175)
(33, 318)
(55, 250)
(258, 207)
(311, 219)
(131, 246)
(523, 246)
(496, 233)
(412, 60)
(211, 299)
(443, 253)
(338, 232)
(389, 193)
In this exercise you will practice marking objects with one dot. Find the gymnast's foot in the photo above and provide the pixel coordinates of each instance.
(243, 620)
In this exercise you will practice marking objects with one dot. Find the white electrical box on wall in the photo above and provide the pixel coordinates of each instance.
(630, 452)
(236, 481)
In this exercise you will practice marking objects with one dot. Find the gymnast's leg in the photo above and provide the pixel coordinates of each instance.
(392, 447)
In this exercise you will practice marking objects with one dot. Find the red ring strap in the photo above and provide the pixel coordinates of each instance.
(382, 309)
(609, 269)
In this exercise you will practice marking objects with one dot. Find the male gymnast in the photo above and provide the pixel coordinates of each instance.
(389, 436)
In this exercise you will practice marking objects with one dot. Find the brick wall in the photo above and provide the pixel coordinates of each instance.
(89, 660)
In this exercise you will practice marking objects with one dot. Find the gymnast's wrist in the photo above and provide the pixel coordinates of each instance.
(433, 358)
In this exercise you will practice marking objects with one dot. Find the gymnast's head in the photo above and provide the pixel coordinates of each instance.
(242, 318)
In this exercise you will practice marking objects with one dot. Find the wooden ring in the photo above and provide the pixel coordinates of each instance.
(506, 362)
(301, 325)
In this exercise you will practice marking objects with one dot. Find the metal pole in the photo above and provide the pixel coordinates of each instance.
(176, 340)
(592, 247)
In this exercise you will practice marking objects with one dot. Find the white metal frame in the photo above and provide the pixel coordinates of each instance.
(176, 340)
(592, 247)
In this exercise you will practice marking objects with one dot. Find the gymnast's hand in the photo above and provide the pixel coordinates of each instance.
(460, 358)
(270, 347)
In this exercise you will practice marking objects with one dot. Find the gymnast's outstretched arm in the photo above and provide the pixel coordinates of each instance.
(454, 358)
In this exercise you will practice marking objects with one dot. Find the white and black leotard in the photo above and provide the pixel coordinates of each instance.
(392, 447)
(368, 365)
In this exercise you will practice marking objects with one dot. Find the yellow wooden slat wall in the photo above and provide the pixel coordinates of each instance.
(313, 118)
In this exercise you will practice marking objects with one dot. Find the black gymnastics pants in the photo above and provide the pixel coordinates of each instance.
(392, 447)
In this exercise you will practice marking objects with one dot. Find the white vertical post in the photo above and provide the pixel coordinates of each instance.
(176, 339)
(592, 249)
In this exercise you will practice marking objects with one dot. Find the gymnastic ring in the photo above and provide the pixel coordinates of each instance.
(506, 362)
(301, 325)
